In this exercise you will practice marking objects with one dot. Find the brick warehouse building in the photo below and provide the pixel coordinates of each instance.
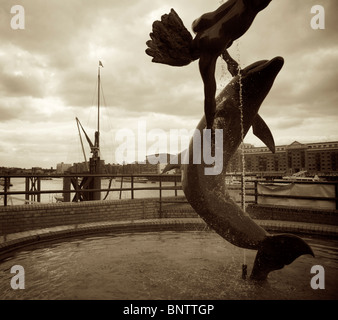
(315, 158)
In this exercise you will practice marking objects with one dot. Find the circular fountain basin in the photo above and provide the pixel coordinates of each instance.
(161, 265)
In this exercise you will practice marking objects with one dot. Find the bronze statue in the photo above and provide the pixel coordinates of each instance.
(233, 112)
(172, 44)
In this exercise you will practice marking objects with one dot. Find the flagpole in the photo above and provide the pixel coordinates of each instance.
(98, 106)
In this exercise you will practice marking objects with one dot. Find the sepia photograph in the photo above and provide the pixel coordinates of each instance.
(170, 157)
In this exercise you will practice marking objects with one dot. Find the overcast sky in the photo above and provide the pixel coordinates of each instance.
(48, 75)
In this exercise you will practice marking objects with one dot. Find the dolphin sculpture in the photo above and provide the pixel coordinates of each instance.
(208, 195)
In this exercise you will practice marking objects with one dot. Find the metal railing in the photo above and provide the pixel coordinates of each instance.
(33, 190)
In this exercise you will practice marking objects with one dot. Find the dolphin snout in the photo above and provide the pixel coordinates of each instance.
(275, 64)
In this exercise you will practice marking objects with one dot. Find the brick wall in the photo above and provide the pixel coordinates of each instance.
(29, 217)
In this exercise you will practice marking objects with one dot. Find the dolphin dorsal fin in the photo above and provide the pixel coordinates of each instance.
(262, 131)
(176, 161)
(170, 166)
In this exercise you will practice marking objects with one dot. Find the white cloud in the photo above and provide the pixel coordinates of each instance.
(48, 74)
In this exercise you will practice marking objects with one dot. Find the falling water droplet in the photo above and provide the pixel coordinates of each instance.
(242, 127)
(244, 266)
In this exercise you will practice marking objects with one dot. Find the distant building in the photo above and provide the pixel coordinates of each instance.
(153, 164)
(315, 158)
(163, 159)
(62, 167)
(37, 170)
(83, 167)
(80, 167)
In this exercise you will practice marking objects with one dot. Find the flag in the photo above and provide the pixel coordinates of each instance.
(100, 64)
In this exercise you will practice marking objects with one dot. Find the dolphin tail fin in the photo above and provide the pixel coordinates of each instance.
(275, 252)
(262, 131)
(171, 42)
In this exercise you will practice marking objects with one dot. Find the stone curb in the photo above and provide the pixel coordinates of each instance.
(16, 241)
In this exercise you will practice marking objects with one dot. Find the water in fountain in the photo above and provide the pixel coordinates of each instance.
(156, 266)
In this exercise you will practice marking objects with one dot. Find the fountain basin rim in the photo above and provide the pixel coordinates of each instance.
(152, 225)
